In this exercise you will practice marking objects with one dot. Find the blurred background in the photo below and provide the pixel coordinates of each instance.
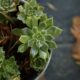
(62, 65)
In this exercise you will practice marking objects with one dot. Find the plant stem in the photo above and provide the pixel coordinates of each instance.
(13, 46)
(6, 16)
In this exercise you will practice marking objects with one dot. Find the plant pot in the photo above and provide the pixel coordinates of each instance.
(27, 51)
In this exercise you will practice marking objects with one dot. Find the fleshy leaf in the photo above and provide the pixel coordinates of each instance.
(45, 47)
(31, 43)
(24, 39)
(52, 44)
(49, 22)
(57, 31)
(17, 32)
(43, 54)
(22, 48)
(33, 52)
(35, 21)
(21, 9)
(33, 3)
(39, 44)
(21, 17)
(29, 21)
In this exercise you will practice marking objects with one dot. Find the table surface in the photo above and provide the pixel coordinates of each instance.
(62, 65)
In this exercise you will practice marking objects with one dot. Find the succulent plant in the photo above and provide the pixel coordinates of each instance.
(39, 34)
(8, 5)
(8, 67)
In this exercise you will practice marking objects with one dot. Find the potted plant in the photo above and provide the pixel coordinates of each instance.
(27, 38)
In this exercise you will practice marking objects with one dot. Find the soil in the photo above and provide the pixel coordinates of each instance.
(4, 34)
